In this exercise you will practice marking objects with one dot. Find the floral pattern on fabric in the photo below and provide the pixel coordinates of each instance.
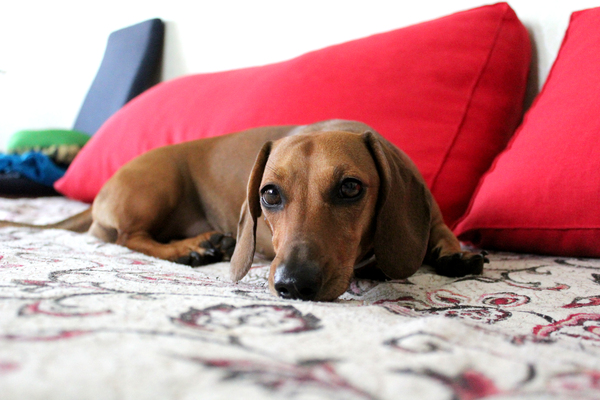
(84, 319)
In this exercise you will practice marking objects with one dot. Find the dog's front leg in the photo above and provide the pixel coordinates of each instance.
(206, 248)
(446, 256)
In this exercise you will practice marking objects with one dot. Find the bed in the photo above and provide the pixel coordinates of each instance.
(83, 319)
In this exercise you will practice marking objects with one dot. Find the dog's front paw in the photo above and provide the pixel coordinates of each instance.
(219, 247)
(197, 259)
(222, 245)
(460, 264)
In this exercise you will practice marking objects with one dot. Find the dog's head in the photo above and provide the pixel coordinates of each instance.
(332, 199)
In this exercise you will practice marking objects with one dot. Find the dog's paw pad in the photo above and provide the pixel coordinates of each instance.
(227, 247)
(461, 264)
(194, 259)
(223, 244)
(206, 255)
(219, 247)
(216, 238)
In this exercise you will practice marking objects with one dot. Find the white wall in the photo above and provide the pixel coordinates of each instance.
(50, 49)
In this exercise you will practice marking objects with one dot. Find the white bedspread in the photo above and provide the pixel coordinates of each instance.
(81, 319)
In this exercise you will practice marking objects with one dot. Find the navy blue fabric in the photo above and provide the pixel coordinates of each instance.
(35, 166)
(130, 65)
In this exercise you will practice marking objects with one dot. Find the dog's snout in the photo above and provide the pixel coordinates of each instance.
(298, 279)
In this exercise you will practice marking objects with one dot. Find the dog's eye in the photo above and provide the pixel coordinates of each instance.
(350, 188)
(270, 196)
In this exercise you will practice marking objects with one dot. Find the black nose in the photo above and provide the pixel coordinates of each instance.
(298, 281)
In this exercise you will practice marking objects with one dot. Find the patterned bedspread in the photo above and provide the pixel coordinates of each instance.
(81, 319)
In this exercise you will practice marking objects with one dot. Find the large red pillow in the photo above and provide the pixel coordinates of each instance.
(543, 193)
(448, 92)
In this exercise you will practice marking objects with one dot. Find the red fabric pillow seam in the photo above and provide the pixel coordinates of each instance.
(469, 103)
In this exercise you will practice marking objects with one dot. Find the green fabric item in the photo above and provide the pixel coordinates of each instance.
(28, 139)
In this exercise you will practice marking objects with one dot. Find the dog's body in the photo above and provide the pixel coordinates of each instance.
(333, 194)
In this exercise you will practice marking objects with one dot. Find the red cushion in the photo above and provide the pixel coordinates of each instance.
(543, 192)
(448, 92)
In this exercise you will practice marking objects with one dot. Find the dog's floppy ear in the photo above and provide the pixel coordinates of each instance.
(241, 261)
(403, 210)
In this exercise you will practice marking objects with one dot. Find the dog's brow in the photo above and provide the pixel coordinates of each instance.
(340, 170)
(275, 171)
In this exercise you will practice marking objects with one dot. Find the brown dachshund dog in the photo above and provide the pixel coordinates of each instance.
(334, 196)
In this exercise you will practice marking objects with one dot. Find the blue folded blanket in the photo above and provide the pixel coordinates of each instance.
(35, 166)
